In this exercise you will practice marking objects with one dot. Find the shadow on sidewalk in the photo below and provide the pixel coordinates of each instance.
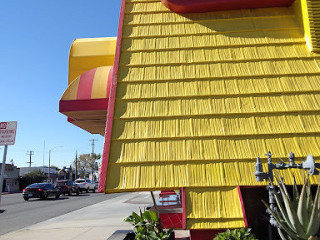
(121, 235)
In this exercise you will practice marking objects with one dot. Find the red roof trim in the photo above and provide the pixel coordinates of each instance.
(196, 6)
(184, 209)
(242, 207)
(71, 120)
(107, 139)
(109, 81)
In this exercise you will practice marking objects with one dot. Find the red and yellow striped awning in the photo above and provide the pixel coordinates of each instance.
(85, 101)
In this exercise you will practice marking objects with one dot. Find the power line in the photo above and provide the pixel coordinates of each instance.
(30, 153)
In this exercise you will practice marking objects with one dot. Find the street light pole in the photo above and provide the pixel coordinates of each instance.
(49, 166)
(49, 161)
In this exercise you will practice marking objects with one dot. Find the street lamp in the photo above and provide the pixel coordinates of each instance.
(49, 160)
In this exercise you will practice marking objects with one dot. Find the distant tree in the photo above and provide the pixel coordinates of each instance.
(86, 164)
(57, 168)
(35, 176)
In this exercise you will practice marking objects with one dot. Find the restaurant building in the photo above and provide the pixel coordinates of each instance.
(190, 93)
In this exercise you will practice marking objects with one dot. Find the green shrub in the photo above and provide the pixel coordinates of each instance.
(298, 216)
(146, 226)
(236, 234)
(35, 176)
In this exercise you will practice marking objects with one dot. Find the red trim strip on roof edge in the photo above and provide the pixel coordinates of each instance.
(107, 138)
(242, 206)
(184, 212)
(196, 6)
(83, 105)
(71, 120)
(109, 82)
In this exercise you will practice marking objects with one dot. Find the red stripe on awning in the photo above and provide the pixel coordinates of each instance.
(85, 84)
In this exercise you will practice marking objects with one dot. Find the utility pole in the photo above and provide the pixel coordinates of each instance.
(30, 153)
(76, 174)
(44, 148)
(93, 156)
(49, 166)
(92, 144)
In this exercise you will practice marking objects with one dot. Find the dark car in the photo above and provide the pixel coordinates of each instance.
(68, 187)
(40, 190)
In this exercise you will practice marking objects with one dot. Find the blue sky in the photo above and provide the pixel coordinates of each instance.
(34, 44)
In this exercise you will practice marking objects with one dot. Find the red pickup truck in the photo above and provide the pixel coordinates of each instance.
(68, 187)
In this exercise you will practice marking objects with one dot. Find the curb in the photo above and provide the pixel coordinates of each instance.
(7, 193)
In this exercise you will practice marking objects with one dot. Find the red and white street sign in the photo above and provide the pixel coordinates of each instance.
(8, 133)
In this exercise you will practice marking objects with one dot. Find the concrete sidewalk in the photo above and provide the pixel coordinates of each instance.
(96, 222)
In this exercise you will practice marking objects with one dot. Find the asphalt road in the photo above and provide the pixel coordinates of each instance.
(15, 213)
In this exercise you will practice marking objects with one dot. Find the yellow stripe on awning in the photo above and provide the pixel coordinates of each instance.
(99, 87)
(71, 91)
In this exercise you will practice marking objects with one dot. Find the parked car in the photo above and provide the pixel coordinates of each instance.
(40, 190)
(68, 187)
(97, 184)
(85, 185)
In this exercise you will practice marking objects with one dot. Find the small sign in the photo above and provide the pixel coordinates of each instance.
(8, 133)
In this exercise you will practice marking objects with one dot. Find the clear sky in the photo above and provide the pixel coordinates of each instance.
(35, 38)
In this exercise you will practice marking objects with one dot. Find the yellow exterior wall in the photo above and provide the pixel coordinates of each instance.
(200, 96)
(209, 208)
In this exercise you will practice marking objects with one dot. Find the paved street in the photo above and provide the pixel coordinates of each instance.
(15, 213)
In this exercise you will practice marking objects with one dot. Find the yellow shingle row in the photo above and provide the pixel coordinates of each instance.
(131, 177)
(224, 126)
(214, 223)
(218, 87)
(175, 56)
(219, 70)
(145, 7)
(169, 17)
(178, 29)
(163, 43)
(217, 105)
(212, 149)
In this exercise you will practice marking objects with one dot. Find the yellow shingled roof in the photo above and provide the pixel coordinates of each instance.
(200, 96)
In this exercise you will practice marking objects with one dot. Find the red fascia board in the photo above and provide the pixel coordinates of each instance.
(70, 120)
(83, 105)
(184, 210)
(112, 97)
(242, 207)
(197, 6)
